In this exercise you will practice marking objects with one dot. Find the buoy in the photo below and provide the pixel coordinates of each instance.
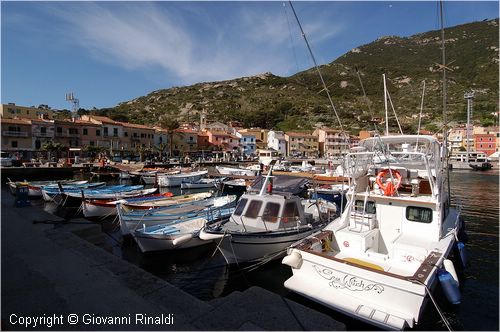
(448, 266)
(209, 236)
(294, 260)
(450, 286)
(463, 253)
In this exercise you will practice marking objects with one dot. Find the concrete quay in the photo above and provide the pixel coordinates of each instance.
(52, 274)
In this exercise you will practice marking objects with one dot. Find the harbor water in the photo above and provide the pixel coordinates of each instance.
(203, 273)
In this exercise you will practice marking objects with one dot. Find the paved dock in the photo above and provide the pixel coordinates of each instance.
(53, 279)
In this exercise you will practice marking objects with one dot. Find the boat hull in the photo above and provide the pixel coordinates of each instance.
(376, 298)
(149, 243)
(241, 248)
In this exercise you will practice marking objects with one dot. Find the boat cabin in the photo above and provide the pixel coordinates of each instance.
(269, 212)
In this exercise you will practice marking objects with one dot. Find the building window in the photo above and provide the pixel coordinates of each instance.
(115, 132)
(73, 131)
(59, 130)
(13, 144)
(105, 131)
(125, 133)
(85, 131)
(98, 132)
(43, 130)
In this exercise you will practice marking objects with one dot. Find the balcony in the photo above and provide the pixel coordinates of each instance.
(40, 134)
(15, 133)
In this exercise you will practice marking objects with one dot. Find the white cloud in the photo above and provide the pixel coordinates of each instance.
(187, 44)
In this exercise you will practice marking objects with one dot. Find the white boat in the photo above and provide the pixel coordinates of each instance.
(464, 160)
(168, 237)
(223, 170)
(35, 187)
(263, 226)
(130, 220)
(202, 183)
(175, 180)
(177, 234)
(382, 257)
(235, 185)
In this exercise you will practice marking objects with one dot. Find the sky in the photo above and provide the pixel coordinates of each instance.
(112, 52)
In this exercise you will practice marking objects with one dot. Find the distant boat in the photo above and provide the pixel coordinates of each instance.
(202, 183)
(35, 187)
(175, 180)
(223, 170)
(483, 167)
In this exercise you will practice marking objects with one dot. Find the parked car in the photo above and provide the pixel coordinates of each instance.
(5, 159)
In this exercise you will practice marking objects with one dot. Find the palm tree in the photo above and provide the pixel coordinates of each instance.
(170, 124)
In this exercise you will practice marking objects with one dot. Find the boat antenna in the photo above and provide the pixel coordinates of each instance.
(346, 137)
(420, 116)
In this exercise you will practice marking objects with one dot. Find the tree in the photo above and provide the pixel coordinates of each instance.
(93, 151)
(170, 124)
(143, 151)
(56, 148)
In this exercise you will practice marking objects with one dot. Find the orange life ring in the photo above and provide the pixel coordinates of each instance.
(389, 188)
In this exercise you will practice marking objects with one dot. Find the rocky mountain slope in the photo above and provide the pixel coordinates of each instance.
(298, 101)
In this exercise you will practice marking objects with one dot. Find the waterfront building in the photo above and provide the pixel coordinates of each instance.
(246, 144)
(302, 144)
(136, 136)
(367, 134)
(89, 133)
(223, 140)
(184, 141)
(260, 136)
(16, 137)
(11, 111)
(276, 141)
(332, 143)
(42, 132)
(485, 143)
(67, 133)
(456, 138)
(111, 133)
(353, 141)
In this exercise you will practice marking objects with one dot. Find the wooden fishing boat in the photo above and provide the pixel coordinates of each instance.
(178, 234)
(131, 219)
(175, 180)
(98, 208)
(165, 201)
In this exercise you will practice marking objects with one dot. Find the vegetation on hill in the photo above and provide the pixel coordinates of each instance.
(298, 102)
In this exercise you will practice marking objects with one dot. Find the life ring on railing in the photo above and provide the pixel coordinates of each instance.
(389, 188)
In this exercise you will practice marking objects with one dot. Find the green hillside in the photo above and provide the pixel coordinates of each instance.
(298, 101)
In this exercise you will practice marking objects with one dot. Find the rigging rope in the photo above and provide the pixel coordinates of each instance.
(346, 137)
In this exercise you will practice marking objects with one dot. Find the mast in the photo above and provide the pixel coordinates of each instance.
(385, 105)
(445, 120)
(469, 96)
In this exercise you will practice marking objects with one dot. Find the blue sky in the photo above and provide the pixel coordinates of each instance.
(109, 52)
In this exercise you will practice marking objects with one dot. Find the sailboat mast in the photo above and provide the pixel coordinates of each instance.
(385, 105)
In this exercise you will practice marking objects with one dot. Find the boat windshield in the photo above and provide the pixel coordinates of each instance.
(241, 206)
(253, 209)
(271, 212)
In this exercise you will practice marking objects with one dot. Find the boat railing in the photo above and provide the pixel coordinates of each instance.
(275, 219)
